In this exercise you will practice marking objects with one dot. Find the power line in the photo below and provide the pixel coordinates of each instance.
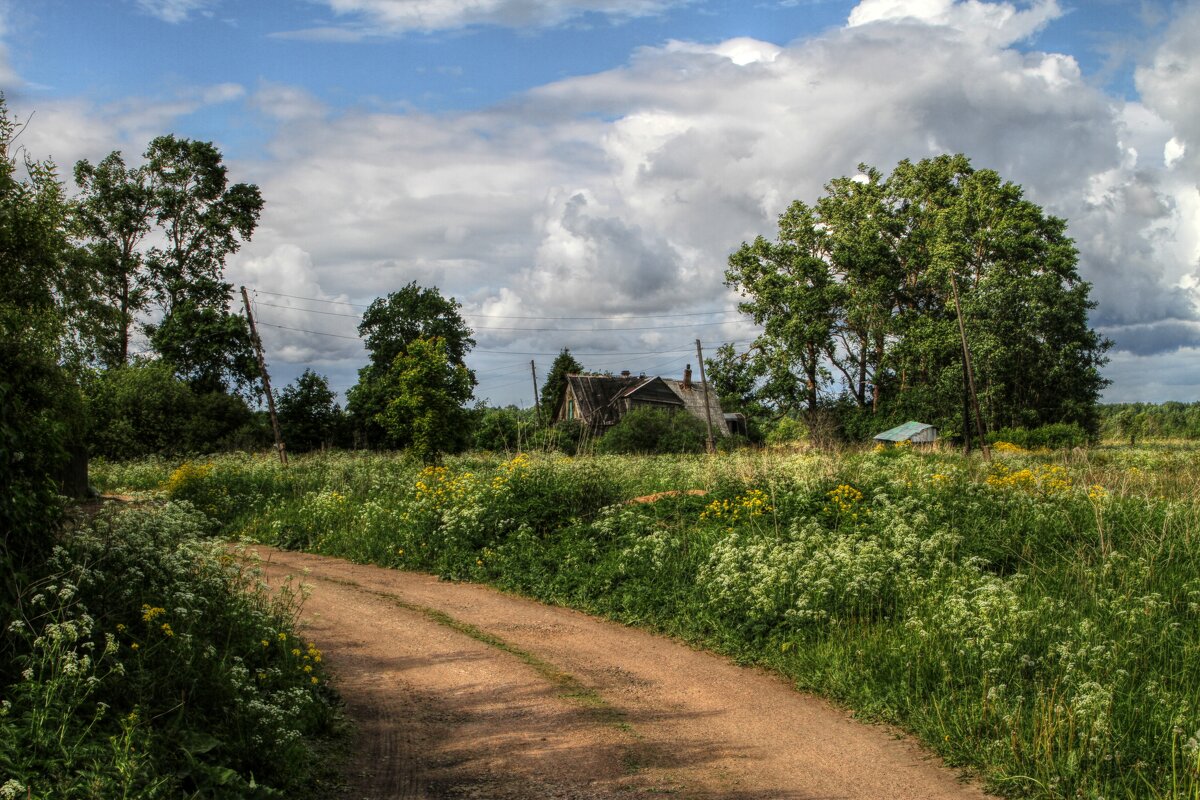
(613, 317)
(304, 330)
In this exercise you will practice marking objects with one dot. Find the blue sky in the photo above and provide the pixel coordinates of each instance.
(594, 161)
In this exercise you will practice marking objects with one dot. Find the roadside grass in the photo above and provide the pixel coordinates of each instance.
(150, 662)
(1035, 618)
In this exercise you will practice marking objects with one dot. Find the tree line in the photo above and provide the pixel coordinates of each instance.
(875, 299)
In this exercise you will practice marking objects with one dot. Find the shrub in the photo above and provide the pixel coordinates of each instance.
(649, 430)
(154, 664)
(1059, 436)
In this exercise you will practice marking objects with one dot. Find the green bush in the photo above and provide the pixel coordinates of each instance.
(1059, 436)
(650, 430)
(155, 665)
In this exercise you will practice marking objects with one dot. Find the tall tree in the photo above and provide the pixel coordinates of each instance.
(555, 387)
(389, 327)
(309, 413)
(790, 290)
(203, 221)
(113, 214)
(40, 405)
(426, 391)
(862, 285)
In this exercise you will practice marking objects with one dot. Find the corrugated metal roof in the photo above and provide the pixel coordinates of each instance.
(902, 433)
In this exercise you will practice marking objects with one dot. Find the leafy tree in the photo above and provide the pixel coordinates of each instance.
(390, 326)
(113, 214)
(308, 413)
(40, 408)
(203, 220)
(861, 285)
(499, 429)
(426, 391)
(790, 290)
(555, 387)
(391, 323)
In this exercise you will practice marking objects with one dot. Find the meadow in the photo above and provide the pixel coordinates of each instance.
(150, 661)
(1035, 618)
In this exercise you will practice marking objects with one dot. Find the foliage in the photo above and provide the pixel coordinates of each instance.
(203, 219)
(555, 387)
(308, 414)
(40, 408)
(1034, 618)
(426, 392)
(142, 409)
(859, 287)
(113, 214)
(1054, 437)
(208, 347)
(390, 326)
(1131, 421)
(650, 430)
(502, 429)
(154, 664)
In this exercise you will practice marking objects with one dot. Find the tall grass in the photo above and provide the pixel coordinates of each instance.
(1036, 618)
(151, 662)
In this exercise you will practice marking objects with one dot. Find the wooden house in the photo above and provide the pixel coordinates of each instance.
(599, 401)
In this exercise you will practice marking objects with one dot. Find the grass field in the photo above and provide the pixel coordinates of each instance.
(1036, 618)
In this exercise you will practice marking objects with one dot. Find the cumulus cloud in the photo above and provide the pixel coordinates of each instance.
(621, 193)
(996, 24)
(391, 17)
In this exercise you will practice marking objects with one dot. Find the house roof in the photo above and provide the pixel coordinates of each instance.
(597, 394)
(902, 433)
(693, 401)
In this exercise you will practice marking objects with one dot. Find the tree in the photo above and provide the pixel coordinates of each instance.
(863, 284)
(426, 391)
(203, 221)
(391, 323)
(390, 326)
(41, 414)
(113, 214)
(208, 347)
(555, 387)
(308, 413)
(791, 291)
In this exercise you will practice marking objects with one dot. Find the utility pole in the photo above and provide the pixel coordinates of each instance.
(537, 405)
(711, 445)
(970, 373)
(266, 379)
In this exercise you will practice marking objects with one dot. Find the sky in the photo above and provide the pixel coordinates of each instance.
(576, 172)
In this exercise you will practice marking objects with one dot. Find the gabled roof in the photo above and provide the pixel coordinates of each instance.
(594, 392)
(902, 433)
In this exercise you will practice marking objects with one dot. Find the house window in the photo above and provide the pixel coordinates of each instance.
(570, 409)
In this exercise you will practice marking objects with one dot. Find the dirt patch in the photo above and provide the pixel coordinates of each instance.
(460, 691)
(654, 498)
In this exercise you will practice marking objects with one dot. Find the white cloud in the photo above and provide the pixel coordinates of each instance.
(68, 130)
(624, 191)
(174, 11)
(995, 23)
(387, 17)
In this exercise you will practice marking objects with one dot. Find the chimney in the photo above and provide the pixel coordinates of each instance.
(624, 373)
(687, 376)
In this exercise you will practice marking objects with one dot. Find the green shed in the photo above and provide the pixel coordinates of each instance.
(915, 432)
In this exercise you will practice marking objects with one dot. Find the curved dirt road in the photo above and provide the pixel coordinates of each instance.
(460, 691)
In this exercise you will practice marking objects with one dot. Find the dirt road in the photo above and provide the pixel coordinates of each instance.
(460, 691)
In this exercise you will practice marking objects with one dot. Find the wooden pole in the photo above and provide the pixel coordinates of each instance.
(266, 379)
(537, 405)
(962, 332)
(711, 445)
